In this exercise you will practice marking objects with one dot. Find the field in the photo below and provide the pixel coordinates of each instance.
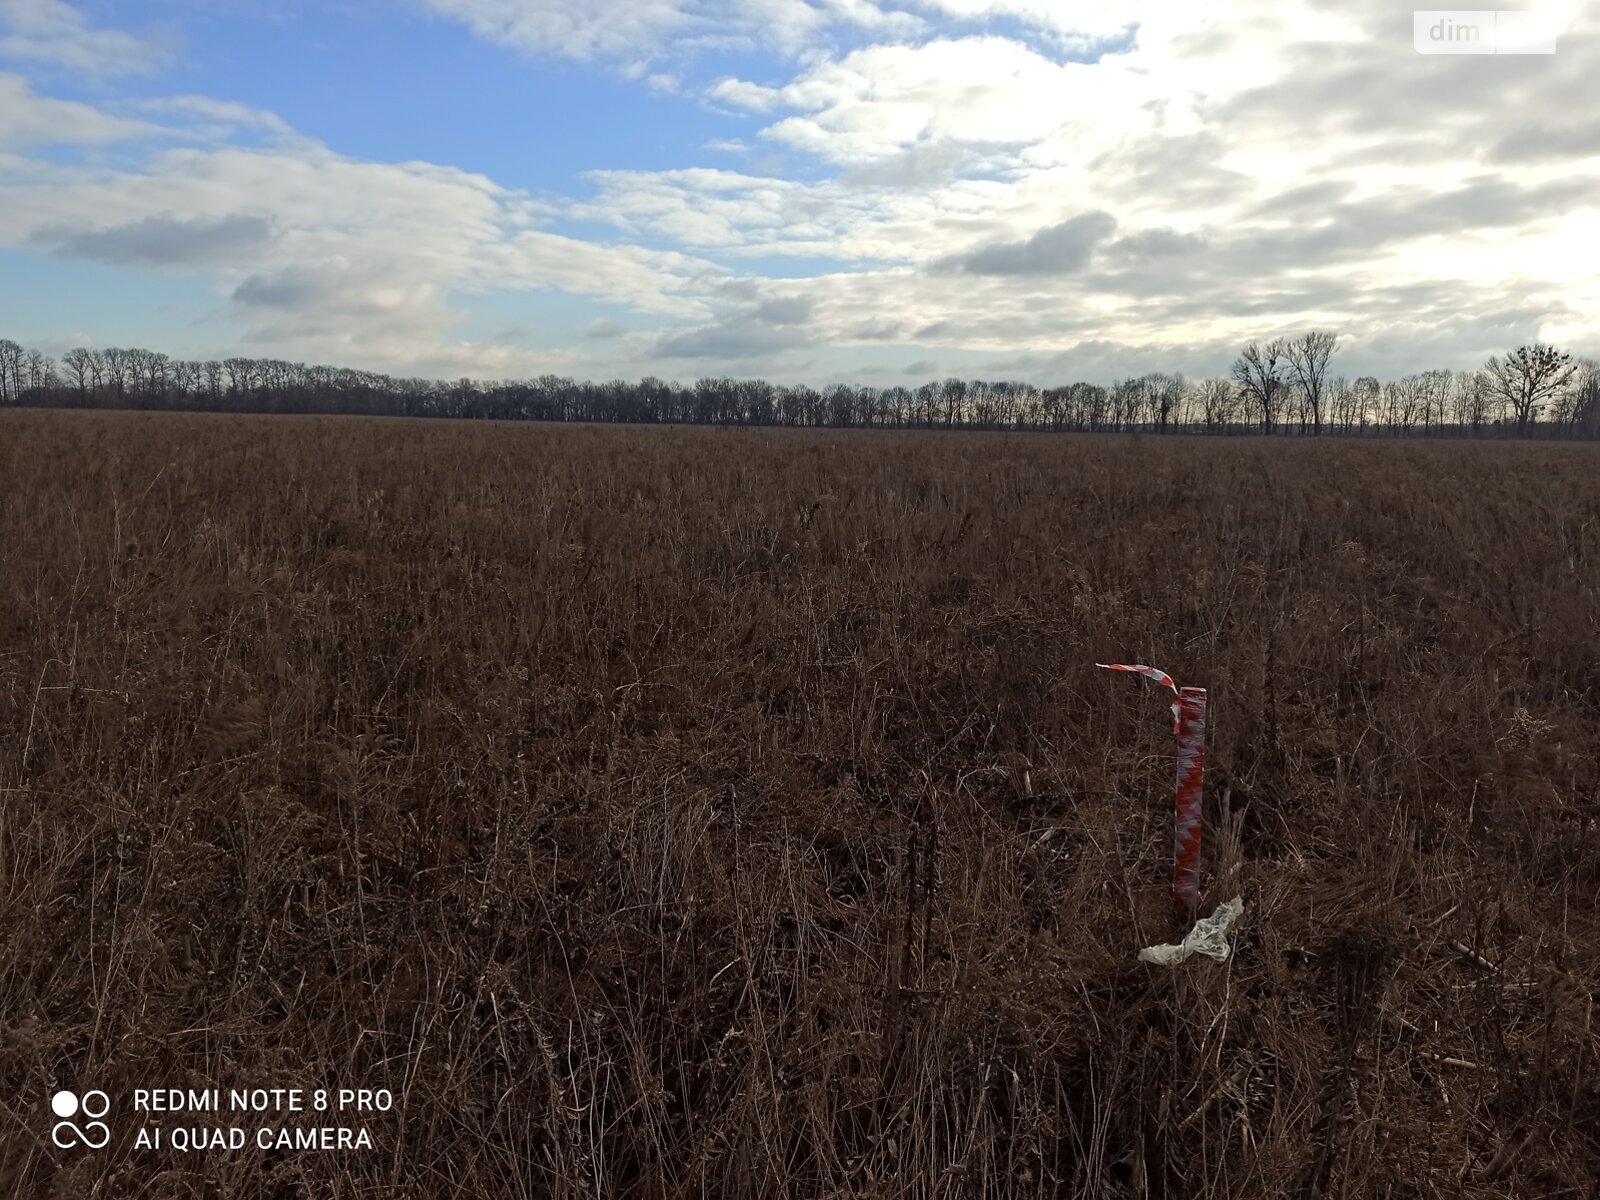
(668, 813)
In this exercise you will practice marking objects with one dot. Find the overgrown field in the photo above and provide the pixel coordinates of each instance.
(693, 813)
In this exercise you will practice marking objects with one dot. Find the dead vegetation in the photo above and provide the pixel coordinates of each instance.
(669, 813)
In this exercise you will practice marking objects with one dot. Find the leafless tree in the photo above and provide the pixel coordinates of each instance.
(1585, 392)
(1529, 378)
(953, 400)
(1169, 393)
(10, 371)
(1308, 357)
(117, 365)
(80, 365)
(1341, 403)
(1534, 384)
(1468, 402)
(39, 370)
(186, 377)
(241, 375)
(1367, 390)
(1218, 402)
(213, 376)
(1405, 402)
(1259, 372)
(1435, 392)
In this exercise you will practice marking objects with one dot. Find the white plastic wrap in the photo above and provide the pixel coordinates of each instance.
(1209, 937)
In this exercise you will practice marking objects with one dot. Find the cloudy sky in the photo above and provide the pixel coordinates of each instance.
(869, 190)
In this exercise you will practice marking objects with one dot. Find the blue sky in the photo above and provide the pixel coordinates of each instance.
(822, 189)
(391, 83)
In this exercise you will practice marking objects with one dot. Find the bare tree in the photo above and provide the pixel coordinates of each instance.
(1535, 384)
(1405, 403)
(241, 375)
(1127, 400)
(1218, 403)
(1169, 393)
(1435, 390)
(953, 400)
(13, 371)
(1367, 390)
(1308, 358)
(156, 366)
(1528, 378)
(1341, 403)
(40, 369)
(213, 374)
(1586, 403)
(117, 364)
(185, 378)
(80, 363)
(10, 371)
(1467, 406)
(1259, 372)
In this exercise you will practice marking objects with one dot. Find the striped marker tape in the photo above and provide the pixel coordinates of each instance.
(1189, 723)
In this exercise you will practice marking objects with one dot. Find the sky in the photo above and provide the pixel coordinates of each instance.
(870, 191)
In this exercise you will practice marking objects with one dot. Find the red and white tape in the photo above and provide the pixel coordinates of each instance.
(1189, 723)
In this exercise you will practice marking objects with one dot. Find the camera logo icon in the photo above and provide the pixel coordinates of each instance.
(93, 1132)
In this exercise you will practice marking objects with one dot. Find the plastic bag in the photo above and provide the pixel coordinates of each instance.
(1209, 937)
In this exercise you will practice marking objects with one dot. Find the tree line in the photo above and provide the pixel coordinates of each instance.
(1285, 385)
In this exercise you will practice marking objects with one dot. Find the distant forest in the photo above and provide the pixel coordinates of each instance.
(1286, 386)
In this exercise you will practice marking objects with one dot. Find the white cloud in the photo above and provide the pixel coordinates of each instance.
(597, 29)
(224, 116)
(742, 94)
(27, 119)
(640, 30)
(317, 255)
(988, 90)
(54, 33)
(1220, 176)
(725, 210)
(980, 90)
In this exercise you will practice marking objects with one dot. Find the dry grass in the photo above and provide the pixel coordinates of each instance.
(735, 814)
